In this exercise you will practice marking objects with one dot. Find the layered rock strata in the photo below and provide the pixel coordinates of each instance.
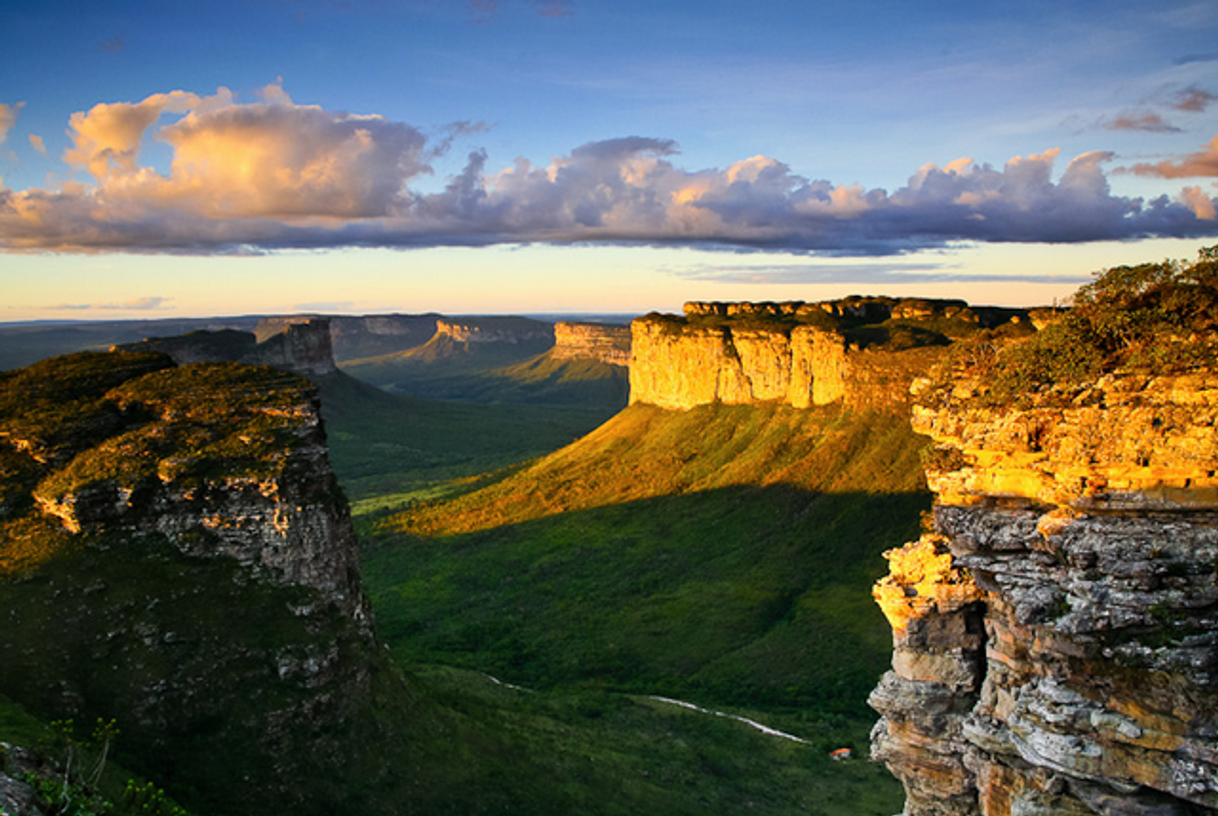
(1056, 638)
(679, 365)
(592, 341)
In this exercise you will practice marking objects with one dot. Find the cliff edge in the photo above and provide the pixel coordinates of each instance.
(861, 352)
(1056, 635)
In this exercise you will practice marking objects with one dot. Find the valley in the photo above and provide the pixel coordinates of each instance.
(330, 586)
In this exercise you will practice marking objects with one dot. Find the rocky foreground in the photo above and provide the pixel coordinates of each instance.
(1056, 637)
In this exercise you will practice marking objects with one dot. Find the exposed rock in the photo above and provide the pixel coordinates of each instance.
(353, 337)
(680, 364)
(301, 345)
(1082, 531)
(594, 341)
(494, 330)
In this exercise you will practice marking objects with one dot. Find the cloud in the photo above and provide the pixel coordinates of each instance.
(860, 273)
(1192, 99)
(144, 304)
(8, 118)
(37, 143)
(1203, 163)
(112, 46)
(250, 177)
(1139, 120)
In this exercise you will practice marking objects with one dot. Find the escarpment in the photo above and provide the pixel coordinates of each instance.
(301, 345)
(861, 352)
(512, 330)
(176, 554)
(592, 341)
(1056, 637)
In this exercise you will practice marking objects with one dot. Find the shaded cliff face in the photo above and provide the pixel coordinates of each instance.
(862, 352)
(175, 554)
(297, 344)
(511, 330)
(353, 337)
(592, 341)
(1056, 638)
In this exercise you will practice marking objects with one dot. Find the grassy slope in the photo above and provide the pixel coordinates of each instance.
(388, 448)
(725, 552)
(524, 373)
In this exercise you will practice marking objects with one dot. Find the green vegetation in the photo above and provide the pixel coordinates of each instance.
(721, 556)
(724, 552)
(389, 450)
(1149, 317)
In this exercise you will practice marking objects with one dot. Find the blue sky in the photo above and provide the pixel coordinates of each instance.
(167, 158)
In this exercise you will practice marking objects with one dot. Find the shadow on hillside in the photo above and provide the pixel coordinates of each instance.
(739, 595)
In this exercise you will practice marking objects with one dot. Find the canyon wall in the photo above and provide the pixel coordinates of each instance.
(748, 353)
(511, 330)
(1056, 636)
(357, 336)
(297, 344)
(592, 341)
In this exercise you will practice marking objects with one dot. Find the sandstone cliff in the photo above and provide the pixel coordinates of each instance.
(1056, 637)
(592, 341)
(862, 352)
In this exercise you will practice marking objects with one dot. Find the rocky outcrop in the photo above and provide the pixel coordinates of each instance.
(1056, 637)
(592, 341)
(304, 348)
(299, 345)
(178, 556)
(680, 364)
(356, 336)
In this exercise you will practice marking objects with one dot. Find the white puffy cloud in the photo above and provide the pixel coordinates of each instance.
(257, 176)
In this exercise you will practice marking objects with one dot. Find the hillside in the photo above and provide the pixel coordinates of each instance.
(724, 552)
(508, 360)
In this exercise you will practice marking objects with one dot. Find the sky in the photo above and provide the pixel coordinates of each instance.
(163, 158)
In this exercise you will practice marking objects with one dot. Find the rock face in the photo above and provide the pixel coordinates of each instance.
(353, 337)
(681, 363)
(301, 345)
(1056, 638)
(510, 330)
(592, 341)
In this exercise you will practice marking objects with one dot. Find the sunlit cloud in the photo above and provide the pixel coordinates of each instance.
(1139, 120)
(1192, 99)
(8, 118)
(37, 143)
(250, 177)
(1203, 163)
(112, 46)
